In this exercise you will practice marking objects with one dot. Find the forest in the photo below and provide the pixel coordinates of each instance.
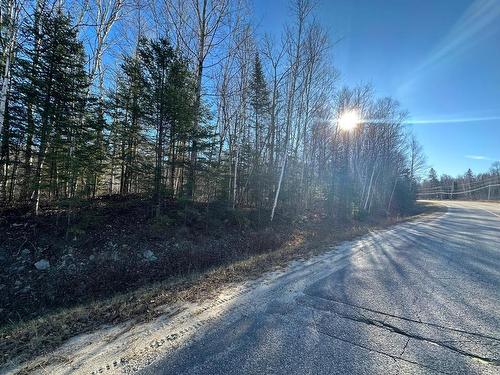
(483, 186)
(160, 155)
(187, 100)
(146, 146)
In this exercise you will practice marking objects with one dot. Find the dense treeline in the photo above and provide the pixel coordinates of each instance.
(183, 99)
(483, 186)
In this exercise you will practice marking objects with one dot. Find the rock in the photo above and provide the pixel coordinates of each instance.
(92, 257)
(149, 256)
(42, 264)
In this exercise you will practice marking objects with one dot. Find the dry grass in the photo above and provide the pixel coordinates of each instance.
(27, 339)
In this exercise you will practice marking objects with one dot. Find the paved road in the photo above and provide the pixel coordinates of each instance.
(421, 298)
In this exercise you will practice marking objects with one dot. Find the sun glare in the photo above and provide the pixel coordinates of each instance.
(349, 120)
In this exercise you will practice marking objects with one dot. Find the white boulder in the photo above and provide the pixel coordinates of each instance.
(42, 264)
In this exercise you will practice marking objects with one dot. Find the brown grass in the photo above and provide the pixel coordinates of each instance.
(25, 340)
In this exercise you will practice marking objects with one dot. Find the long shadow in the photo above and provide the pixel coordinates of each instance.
(418, 298)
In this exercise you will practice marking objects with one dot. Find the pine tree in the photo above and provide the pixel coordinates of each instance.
(432, 177)
(171, 103)
(259, 100)
(52, 85)
(129, 113)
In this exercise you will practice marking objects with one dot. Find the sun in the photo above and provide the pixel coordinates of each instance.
(349, 120)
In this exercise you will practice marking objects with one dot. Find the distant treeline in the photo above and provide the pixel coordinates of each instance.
(484, 186)
(183, 99)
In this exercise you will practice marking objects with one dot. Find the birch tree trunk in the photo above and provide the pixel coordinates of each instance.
(301, 8)
(13, 7)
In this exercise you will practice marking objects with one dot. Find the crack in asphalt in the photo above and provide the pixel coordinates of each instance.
(404, 318)
(392, 328)
(404, 347)
(394, 357)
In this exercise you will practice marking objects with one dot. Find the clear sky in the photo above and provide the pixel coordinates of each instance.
(439, 58)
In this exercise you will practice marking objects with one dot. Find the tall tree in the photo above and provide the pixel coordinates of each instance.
(259, 98)
(53, 82)
(171, 104)
(10, 20)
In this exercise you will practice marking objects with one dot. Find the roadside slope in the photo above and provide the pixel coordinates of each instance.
(119, 346)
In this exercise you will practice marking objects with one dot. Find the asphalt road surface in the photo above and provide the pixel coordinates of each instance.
(420, 298)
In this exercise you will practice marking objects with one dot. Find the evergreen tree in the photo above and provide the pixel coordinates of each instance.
(171, 103)
(52, 83)
(432, 177)
(259, 100)
(128, 109)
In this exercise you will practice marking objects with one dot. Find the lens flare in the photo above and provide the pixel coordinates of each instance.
(348, 120)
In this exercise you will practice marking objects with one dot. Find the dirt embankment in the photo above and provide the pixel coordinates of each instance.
(110, 260)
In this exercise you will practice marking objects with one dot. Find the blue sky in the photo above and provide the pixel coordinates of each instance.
(439, 58)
